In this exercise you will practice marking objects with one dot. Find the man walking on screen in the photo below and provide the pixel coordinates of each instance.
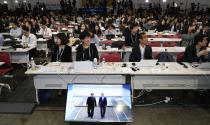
(102, 104)
(91, 103)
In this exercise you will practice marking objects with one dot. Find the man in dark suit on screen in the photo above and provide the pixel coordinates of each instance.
(91, 103)
(102, 104)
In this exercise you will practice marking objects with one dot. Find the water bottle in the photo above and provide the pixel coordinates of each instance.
(103, 61)
(33, 65)
(95, 61)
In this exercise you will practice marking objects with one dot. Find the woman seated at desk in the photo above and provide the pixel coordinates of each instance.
(82, 28)
(110, 30)
(141, 51)
(61, 51)
(197, 52)
(86, 50)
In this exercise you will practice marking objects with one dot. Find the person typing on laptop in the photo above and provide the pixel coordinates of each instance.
(197, 52)
(142, 50)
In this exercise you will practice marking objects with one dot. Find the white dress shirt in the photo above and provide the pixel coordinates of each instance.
(142, 49)
(16, 32)
(47, 32)
(31, 40)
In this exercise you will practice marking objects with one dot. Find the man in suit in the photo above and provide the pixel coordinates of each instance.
(197, 52)
(132, 37)
(102, 104)
(91, 103)
(142, 50)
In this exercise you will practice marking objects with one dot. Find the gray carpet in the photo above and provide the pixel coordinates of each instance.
(20, 108)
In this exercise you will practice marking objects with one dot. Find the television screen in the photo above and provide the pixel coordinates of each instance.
(83, 103)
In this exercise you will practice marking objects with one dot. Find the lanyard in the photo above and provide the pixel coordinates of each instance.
(132, 38)
(59, 54)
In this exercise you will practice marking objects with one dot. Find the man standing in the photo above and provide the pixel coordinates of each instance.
(91, 103)
(102, 104)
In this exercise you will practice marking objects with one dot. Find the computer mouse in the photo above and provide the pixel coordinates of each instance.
(133, 69)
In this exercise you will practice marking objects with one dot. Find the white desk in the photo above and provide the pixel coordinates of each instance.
(164, 39)
(57, 77)
(5, 34)
(173, 77)
(161, 33)
(17, 56)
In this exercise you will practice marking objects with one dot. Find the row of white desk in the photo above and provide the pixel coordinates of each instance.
(18, 55)
(21, 55)
(172, 77)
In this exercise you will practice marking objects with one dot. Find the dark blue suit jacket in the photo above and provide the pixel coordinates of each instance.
(102, 103)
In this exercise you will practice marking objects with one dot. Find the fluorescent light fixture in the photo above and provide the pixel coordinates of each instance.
(16, 1)
(147, 1)
(164, 1)
(24, 1)
(5, 2)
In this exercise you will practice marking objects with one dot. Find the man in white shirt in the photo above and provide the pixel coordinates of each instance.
(141, 51)
(45, 31)
(15, 30)
(29, 40)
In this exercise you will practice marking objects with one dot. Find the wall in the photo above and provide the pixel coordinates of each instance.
(137, 3)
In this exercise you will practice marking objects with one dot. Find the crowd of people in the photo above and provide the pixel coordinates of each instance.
(193, 29)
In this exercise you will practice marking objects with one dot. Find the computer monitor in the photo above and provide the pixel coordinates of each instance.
(118, 108)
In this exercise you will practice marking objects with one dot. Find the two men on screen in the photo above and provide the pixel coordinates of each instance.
(91, 103)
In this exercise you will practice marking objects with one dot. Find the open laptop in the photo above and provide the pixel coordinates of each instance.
(83, 66)
(148, 63)
(205, 65)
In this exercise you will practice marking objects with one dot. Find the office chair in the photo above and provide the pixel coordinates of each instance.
(5, 69)
(111, 57)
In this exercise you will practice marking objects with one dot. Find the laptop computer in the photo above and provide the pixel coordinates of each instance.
(83, 66)
(148, 63)
(205, 65)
